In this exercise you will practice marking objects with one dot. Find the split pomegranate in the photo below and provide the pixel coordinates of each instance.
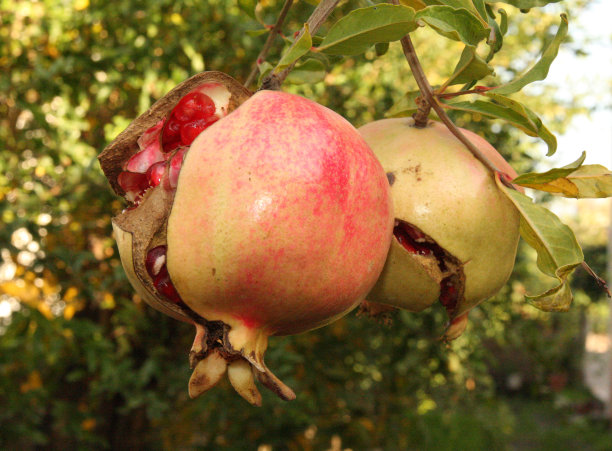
(249, 216)
(456, 234)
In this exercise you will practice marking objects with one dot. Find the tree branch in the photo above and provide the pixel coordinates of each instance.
(429, 97)
(319, 15)
(268, 44)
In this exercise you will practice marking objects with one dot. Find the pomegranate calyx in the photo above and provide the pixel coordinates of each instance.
(207, 373)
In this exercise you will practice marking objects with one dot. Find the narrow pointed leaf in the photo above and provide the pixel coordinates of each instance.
(299, 48)
(364, 27)
(573, 180)
(264, 69)
(540, 70)
(496, 37)
(258, 32)
(481, 7)
(311, 71)
(526, 121)
(470, 67)
(558, 251)
(457, 24)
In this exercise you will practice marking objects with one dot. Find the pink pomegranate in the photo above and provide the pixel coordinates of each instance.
(270, 218)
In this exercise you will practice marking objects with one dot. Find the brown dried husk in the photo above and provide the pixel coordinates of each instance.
(121, 149)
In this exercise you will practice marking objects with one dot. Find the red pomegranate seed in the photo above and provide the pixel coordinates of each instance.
(156, 260)
(155, 173)
(407, 236)
(195, 105)
(144, 159)
(134, 184)
(151, 135)
(164, 286)
(191, 130)
(175, 166)
(171, 136)
(448, 294)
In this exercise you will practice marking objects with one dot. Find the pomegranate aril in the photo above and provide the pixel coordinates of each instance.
(191, 130)
(448, 294)
(175, 166)
(195, 105)
(155, 173)
(165, 287)
(171, 136)
(144, 159)
(156, 260)
(133, 183)
(407, 236)
(151, 135)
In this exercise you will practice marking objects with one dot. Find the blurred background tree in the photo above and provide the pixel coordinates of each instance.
(85, 364)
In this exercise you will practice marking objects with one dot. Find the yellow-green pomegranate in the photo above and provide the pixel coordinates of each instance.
(456, 234)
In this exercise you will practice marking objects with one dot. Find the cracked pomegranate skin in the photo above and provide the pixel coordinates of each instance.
(282, 218)
(439, 187)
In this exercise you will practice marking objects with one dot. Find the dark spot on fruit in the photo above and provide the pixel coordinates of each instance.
(391, 178)
(214, 271)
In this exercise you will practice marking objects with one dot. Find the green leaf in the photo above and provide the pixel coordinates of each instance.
(573, 180)
(496, 38)
(414, 4)
(258, 32)
(528, 4)
(481, 7)
(512, 112)
(457, 24)
(405, 106)
(558, 251)
(311, 71)
(299, 48)
(503, 21)
(469, 68)
(264, 69)
(476, 7)
(362, 28)
(381, 48)
(540, 70)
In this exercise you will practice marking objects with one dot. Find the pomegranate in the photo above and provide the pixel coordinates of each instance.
(249, 216)
(456, 234)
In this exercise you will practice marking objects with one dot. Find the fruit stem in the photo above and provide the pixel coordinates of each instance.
(429, 97)
(274, 31)
(273, 81)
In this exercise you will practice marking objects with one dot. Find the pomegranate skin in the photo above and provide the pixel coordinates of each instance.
(442, 190)
(281, 221)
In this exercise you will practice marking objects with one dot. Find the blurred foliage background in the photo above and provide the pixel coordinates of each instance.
(85, 364)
